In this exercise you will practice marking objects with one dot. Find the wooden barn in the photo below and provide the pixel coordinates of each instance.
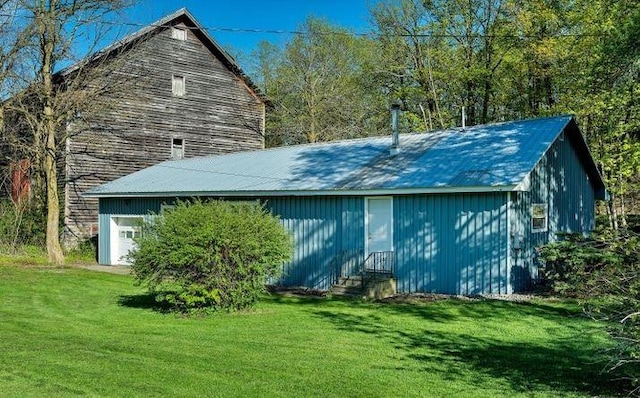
(458, 211)
(172, 93)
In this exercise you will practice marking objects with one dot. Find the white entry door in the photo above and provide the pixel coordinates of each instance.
(379, 228)
(128, 229)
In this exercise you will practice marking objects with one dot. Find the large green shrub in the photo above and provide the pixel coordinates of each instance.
(570, 265)
(214, 255)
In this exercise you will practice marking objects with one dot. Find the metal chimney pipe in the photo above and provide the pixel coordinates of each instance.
(395, 139)
(464, 118)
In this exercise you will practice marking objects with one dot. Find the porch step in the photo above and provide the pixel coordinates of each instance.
(350, 286)
(377, 286)
(355, 280)
(346, 291)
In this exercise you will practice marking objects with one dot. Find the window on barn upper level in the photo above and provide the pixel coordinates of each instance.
(539, 217)
(179, 33)
(177, 148)
(178, 85)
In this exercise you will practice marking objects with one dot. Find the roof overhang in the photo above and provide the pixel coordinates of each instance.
(359, 192)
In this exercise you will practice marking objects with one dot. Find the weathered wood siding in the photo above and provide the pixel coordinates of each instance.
(218, 114)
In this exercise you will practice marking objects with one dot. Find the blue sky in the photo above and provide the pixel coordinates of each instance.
(284, 15)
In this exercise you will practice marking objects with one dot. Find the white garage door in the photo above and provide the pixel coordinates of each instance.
(127, 229)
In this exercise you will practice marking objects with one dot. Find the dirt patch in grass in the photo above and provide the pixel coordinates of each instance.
(112, 269)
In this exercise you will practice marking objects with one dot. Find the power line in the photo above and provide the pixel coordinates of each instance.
(333, 33)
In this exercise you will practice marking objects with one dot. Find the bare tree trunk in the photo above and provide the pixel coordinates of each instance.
(427, 122)
(623, 212)
(47, 35)
(426, 80)
(54, 249)
(613, 215)
(434, 93)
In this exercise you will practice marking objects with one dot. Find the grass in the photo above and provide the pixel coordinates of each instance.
(37, 255)
(67, 332)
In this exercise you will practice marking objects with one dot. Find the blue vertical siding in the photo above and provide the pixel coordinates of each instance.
(445, 243)
(451, 243)
(323, 228)
(110, 207)
(104, 238)
(560, 181)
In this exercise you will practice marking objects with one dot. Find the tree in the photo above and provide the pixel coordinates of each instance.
(476, 34)
(410, 64)
(449, 54)
(543, 55)
(47, 32)
(210, 255)
(609, 106)
(317, 87)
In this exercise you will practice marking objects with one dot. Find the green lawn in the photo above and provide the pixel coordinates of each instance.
(66, 332)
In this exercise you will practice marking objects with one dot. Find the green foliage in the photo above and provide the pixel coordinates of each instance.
(319, 87)
(604, 271)
(570, 264)
(85, 251)
(215, 255)
(21, 224)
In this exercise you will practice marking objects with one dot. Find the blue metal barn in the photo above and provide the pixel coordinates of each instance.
(457, 211)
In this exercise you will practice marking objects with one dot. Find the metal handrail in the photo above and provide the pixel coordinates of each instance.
(371, 273)
(349, 263)
(383, 262)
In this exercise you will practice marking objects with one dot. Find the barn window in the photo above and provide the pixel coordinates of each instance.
(179, 33)
(539, 217)
(177, 148)
(178, 85)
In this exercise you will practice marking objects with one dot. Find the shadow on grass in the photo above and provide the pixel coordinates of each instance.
(143, 301)
(561, 365)
(556, 363)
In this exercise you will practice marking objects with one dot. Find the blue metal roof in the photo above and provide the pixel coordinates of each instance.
(494, 157)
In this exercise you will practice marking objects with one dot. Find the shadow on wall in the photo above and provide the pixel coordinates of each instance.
(316, 225)
(452, 243)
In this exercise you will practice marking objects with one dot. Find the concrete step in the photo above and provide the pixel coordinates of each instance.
(350, 281)
(350, 291)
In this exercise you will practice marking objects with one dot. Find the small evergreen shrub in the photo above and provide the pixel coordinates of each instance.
(210, 255)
